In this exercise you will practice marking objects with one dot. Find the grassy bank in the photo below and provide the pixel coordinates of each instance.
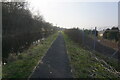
(26, 61)
(89, 64)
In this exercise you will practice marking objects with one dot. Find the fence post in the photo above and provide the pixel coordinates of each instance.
(95, 38)
(83, 36)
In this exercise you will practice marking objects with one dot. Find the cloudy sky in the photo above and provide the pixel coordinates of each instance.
(77, 13)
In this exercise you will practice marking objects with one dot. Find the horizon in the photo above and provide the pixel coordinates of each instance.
(77, 14)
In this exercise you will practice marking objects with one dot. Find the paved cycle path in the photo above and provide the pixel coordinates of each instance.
(55, 64)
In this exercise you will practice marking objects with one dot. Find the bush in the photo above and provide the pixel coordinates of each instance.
(21, 28)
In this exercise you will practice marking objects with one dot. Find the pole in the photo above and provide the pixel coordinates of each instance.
(83, 36)
(95, 38)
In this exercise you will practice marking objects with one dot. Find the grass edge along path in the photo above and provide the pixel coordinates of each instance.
(24, 65)
(85, 64)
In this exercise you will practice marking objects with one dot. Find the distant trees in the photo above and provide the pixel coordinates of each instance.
(87, 31)
(111, 34)
(92, 32)
(21, 28)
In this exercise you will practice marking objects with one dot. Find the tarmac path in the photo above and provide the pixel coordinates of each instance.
(55, 64)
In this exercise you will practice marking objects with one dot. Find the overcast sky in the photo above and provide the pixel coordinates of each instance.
(76, 13)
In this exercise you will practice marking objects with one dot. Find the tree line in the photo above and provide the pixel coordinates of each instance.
(20, 28)
(92, 32)
(111, 34)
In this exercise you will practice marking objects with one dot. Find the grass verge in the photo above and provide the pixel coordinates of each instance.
(26, 61)
(89, 64)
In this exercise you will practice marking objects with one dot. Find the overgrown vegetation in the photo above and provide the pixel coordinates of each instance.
(112, 34)
(77, 36)
(90, 64)
(21, 28)
(90, 32)
(23, 66)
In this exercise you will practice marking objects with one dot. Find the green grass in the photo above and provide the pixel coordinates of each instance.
(89, 64)
(26, 61)
(0, 71)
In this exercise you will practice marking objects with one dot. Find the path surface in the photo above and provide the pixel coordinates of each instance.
(55, 63)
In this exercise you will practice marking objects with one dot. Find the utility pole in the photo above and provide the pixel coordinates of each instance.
(95, 38)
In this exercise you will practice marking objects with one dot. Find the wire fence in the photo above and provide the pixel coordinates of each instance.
(79, 36)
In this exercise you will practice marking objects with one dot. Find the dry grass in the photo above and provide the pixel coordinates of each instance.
(90, 64)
